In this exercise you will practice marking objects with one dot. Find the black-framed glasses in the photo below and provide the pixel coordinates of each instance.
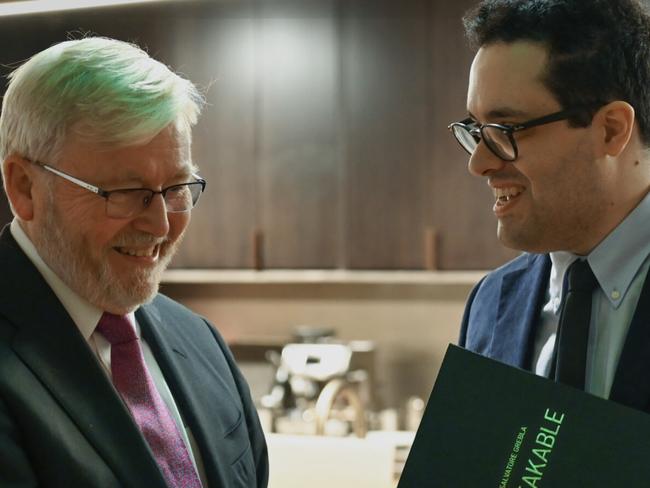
(128, 202)
(499, 138)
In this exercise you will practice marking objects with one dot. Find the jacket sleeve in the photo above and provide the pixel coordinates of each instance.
(15, 467)
(464, 325)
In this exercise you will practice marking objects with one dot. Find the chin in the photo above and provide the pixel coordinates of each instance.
(126, 300)
(123, 292)
(519, 241)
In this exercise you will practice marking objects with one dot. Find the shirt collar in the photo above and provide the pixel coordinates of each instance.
(84, 314)
(616, 260)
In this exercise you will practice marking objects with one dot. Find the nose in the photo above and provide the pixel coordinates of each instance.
(482, 162)
(153, 219)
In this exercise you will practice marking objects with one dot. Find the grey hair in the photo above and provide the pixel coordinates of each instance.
(102, 90)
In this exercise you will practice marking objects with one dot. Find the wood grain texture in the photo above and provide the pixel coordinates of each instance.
(298, 138)
(385, 91)
(218, 54)
(460, 204)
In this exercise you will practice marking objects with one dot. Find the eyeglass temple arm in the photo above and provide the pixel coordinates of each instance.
(93, 188)
(74, 180)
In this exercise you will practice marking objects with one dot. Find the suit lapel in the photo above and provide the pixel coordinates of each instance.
(207, 408)
(48, 341)
(631, 386)
(520, 301)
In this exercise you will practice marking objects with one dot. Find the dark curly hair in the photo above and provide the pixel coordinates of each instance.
(599, 50)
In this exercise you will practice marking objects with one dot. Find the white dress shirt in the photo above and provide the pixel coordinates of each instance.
(86, 317)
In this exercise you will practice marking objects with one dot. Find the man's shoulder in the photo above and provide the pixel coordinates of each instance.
(505, 282)
(162, 302)
(521, 264)
(169, 321)
(506, 292)
(167, 315)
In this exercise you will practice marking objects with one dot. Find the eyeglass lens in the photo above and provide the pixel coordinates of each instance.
(496, 139)
(126, 203)
(466, 139)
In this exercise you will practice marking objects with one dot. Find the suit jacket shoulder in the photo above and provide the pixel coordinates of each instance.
(503, 310)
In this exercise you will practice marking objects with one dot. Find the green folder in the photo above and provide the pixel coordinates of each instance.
(488, 424)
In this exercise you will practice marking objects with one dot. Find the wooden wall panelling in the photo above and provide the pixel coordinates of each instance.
(298, 137)
(216, 49)
(385, 92)
(461, 204)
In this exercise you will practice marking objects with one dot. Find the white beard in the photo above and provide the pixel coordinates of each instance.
(91, 277)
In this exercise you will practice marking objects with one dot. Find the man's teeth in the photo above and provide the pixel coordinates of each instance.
(505, 194)
(138, 252)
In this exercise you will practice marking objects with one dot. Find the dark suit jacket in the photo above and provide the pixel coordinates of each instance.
(502, 316)
(62, 424)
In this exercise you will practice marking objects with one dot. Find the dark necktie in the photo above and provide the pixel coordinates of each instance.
(573, 328)
(135, 385)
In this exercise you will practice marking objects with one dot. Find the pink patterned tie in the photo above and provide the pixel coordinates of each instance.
(133, 381)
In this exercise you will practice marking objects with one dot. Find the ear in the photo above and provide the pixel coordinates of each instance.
(617, 122)
(18, 186)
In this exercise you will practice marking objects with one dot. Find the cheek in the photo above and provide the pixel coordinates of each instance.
(80, 207)
(178, 222)
(551, 199)
(544, 171)
(558, 186)
(106, 232)
(91, 223)
(98, 232)
(76, 218)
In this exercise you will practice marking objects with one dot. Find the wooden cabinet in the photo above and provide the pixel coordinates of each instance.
(326, 133)
(386, 99)
(324, 141)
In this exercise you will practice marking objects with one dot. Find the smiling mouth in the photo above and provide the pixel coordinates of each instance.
(504, 195)
(146, 252)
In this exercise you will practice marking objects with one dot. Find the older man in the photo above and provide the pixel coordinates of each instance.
(559, 127)
(104, 382)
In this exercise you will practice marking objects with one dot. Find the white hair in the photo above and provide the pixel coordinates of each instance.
(102, 90)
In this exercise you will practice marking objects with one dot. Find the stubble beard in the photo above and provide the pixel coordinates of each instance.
(571, 228)
(92, 278)
(545, 234)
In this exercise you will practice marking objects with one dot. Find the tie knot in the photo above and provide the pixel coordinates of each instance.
(580, 277)
(116, 328)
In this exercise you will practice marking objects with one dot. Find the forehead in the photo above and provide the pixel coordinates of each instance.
(165, 155)
(507, 77)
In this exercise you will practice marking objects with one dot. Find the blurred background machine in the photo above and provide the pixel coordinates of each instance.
(321, 385)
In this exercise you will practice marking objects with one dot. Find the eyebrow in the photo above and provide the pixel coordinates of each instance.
(131, 177)
(501, 113)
